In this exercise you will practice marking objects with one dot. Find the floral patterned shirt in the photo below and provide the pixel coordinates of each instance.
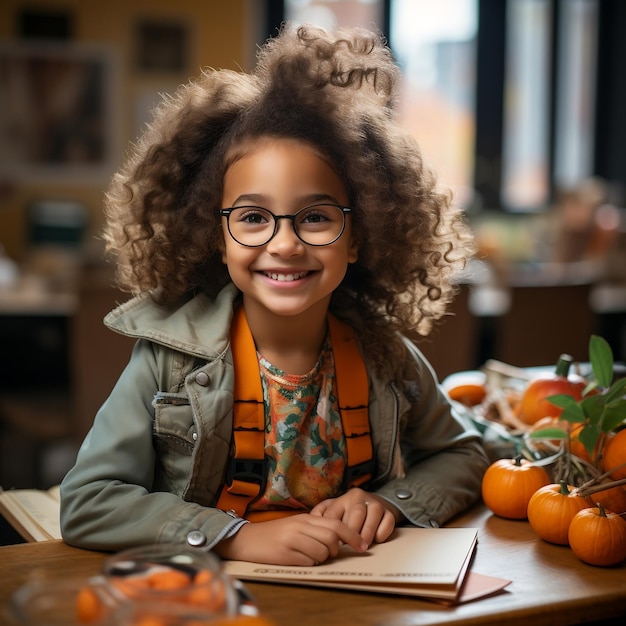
(304, 440)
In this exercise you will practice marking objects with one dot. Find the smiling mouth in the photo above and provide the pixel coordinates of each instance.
(285, 278)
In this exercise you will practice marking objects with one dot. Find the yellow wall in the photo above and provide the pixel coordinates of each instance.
(219, 36)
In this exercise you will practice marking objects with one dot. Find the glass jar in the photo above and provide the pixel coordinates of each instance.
(191, 579)
(43, 602)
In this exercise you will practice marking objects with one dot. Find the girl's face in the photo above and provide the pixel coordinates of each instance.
(285, 276)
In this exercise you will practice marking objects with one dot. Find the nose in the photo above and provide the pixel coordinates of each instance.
(285, 242)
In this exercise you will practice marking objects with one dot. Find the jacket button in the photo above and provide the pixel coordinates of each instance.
(403, 494)
(202, 378)
(196, 538)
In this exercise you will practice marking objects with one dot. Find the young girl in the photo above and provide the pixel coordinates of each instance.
(286, 245)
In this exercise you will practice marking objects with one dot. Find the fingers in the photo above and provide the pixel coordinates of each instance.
(320, 538)
(364, 512)
(385, 528)
(365, 517)
(296, 540)
(320, 509)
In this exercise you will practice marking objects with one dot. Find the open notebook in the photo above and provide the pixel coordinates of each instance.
(426, 562)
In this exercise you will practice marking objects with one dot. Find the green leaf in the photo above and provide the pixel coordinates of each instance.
(616, 391)
(614, 415)
(562, 400)
(549, 433)
(601, 357)
(588, 436)
(593, 407)
(573, 413)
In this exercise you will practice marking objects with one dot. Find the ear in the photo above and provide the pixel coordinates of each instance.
(221, 247)
(353, 252)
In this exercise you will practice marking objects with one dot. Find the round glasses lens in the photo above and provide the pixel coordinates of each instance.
(251, 226)
(319, 224)
(316, 225)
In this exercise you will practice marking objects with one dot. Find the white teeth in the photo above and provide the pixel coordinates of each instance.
(286, 277)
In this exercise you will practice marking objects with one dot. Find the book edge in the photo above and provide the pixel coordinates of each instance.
(22, 518)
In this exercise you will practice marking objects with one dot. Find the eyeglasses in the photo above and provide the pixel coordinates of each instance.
(315, 225)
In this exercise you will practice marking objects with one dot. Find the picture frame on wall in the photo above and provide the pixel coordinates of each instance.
(58, 113)
(162, 47)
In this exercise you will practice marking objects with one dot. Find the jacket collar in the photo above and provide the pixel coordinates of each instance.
(197, 325)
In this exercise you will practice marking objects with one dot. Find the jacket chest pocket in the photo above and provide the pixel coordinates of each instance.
(175, 434)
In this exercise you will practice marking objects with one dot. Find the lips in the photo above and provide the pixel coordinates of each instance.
(285, 277)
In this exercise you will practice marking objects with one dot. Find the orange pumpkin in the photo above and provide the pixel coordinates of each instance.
(533, 404)
(551, 510)
(615, 454)
(89, 606)
(469, 394)
(508, 485)
(612, 499)
(597, 537)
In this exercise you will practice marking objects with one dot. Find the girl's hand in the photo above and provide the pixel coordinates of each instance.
(295, 540)
(364, 512)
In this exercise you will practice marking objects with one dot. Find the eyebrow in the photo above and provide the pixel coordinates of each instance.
(260, 199)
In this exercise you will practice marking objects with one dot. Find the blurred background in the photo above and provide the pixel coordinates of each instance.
(517, 104)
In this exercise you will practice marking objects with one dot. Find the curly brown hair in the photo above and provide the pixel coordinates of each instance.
(336, 90)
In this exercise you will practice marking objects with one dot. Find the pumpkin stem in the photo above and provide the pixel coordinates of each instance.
(592, 486)
(517, 461)
(563, 365)
(601, 511)
(564, 491)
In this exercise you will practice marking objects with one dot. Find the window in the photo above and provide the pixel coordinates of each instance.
(550, 63)
(435, 44)
(332, 13)
(526, 137)
(577, 58)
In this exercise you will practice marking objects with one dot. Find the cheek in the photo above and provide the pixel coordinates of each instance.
(236, 257)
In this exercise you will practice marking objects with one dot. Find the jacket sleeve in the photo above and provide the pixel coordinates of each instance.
(442, 455)
(108, 500)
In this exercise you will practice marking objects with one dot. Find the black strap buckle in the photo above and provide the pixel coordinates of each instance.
(247, 470)
(354, 472)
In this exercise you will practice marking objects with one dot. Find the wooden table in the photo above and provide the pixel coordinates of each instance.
(550, 586)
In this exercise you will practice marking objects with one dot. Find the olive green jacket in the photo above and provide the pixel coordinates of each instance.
(151, 468)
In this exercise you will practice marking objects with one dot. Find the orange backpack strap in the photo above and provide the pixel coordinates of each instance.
(353, 396)
(246, 474)
(247, 471)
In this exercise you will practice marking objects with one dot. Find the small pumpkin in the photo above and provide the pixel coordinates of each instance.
(508, 485)
(551, 510)
(598, 537)
(613, 499)
(469, 394)
(90, 606)
(534, 405)
(615, 454)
